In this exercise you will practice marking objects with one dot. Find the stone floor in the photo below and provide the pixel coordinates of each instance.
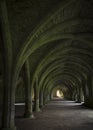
(57, 115)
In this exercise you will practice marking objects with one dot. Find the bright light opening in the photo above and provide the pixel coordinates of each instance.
(59, 94)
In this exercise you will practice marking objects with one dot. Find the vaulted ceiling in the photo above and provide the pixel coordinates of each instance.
(56, 36)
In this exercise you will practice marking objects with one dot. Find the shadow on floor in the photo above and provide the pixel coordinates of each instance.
(59, 115)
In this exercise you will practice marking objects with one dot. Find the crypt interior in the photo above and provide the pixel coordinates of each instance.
(46, 64)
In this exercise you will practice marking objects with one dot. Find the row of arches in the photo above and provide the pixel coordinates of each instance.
(59, 51)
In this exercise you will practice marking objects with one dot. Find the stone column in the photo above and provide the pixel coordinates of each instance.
(8, 114)
(28, 91)
(50, 95)
(36, 108)
(41, 99)
(77, 95)
(44, 98)
(89, 92)
(28, 106)
(47, 96)
(80, 95)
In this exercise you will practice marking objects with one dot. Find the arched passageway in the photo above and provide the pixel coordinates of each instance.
(44, 44)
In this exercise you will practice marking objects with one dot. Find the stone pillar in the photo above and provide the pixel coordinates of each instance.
(8, 114)
(89, 85)
(41, 99)
(80, 95)
(28, 91)
(28, 110)
(36, 105)
(44, 98)
(87, 88)
(50, 95)
(47, 96)
(83, 88)
(89, 92)
(28, 105)
(77, 95)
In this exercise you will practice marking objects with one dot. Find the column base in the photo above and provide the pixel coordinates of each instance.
(38, 110)
(31, 116)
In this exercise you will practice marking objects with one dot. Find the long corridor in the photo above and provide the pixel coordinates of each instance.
(57, 115)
